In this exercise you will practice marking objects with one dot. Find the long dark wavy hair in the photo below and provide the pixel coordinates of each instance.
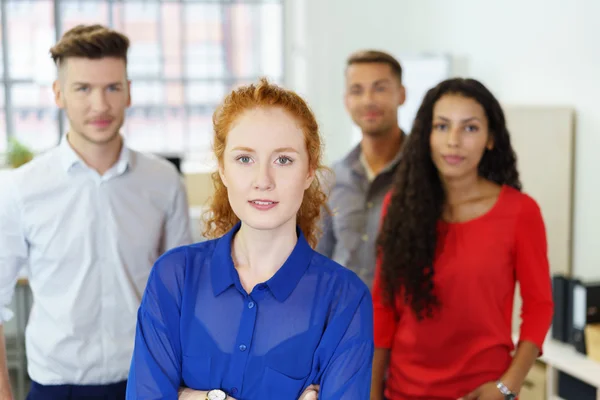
(408, 238)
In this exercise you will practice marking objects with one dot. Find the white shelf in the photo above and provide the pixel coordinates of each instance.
(559, 356)
(565, 358)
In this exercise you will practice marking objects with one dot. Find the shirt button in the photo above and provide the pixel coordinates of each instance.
(233, 390)
(242, 347)
(365, 237)
(251, 304)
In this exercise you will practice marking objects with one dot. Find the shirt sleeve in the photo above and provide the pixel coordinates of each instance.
(347, 375)
(326, 245)
(384, 314)
(155, 371)
(533, 274)
(14, 249)
(177, 228)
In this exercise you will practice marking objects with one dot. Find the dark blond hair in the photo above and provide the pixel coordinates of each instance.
(376, 56)
(220, 217)
(90, 41)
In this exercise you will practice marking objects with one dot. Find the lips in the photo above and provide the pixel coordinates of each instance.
(101, 122)
(262, 202)
(453, 160)
(371, 115)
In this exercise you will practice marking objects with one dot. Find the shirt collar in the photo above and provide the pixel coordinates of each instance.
(281, 285)
(69, 157)
(353, 160)
(366, 167)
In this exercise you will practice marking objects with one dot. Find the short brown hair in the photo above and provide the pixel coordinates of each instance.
(220, 217)
(90, 41)
(376, 56)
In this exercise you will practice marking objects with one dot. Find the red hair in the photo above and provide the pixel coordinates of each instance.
(220, 217)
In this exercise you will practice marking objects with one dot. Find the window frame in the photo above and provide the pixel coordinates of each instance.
(190, 109)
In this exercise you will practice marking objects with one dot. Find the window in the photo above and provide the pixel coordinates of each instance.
(184, 57)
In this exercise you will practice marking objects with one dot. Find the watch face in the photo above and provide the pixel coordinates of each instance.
(216, 395)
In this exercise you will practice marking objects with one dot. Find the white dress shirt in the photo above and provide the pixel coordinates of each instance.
(88, 243)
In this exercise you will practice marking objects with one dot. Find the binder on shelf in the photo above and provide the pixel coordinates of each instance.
(579, 315)
(559, 296)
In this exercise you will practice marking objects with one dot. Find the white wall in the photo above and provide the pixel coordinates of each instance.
(540, 52)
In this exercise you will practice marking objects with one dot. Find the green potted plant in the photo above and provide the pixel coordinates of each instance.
(18, 154)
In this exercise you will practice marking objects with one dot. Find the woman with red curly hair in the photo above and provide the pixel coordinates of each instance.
(256, 313)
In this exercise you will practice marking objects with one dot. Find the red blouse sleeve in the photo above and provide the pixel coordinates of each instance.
(384, 314)
(533, 274)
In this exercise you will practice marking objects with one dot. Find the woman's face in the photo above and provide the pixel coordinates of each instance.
(459, 136)
(265, 168)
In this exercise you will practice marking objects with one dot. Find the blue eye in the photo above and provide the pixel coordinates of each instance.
(244, 159)
(283, 160)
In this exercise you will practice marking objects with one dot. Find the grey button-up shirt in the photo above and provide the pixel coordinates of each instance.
(349, 235)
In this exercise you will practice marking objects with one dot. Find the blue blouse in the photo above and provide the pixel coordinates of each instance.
(312, 322)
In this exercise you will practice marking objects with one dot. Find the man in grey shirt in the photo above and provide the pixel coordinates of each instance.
(374, 91)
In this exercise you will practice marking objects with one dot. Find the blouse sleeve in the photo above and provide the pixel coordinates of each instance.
(533, 274)
(384, 314)
(347, 345)
(155, 371)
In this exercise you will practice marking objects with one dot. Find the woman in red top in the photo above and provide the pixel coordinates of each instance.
(457, 235)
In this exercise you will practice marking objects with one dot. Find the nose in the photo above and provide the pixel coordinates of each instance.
(99, 103)
(367, 97)
(453, 138)
(263, 179)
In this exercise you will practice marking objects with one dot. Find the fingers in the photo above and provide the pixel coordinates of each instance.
(471, 396)
(310, 393)
(314, 387)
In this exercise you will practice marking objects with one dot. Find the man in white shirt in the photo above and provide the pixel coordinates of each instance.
(88, 219)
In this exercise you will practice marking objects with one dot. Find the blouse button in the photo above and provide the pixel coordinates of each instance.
(251, 304)
(242, 347)
(234, 390)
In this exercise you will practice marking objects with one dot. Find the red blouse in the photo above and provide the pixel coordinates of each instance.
(468, 342)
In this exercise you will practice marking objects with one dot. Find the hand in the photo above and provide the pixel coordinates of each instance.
(6, 394)
(310, 393)
(487, 391)
(190, 394)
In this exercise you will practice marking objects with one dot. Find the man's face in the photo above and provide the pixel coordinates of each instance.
(373, 95)
(95, 94)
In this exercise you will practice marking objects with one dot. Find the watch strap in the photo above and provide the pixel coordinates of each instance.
(508, 395)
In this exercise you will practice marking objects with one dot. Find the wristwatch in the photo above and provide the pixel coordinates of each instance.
(508, 395)
(216, 394)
